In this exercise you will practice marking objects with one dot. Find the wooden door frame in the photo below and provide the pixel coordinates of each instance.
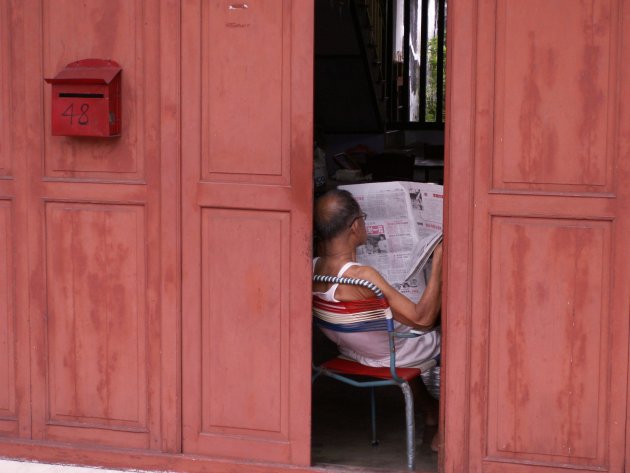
(458, 220)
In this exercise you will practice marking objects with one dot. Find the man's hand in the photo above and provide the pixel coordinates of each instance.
(437, 253)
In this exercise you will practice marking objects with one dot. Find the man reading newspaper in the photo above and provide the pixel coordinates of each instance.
(343, 230)
(404, 224)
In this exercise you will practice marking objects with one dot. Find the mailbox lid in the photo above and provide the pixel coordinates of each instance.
(87, 71)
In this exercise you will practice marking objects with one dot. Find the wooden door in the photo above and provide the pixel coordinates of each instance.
(246, 221)
(96, 238)
(539, 176)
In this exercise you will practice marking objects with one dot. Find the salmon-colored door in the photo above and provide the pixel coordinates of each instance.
(246, 206)
(539, 175)
(95, 240)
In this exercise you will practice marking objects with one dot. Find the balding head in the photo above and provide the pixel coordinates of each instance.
(334, 213)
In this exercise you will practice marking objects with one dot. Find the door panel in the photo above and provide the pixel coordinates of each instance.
(548, 355)
(246, 197)
(539, 144)
(117, 36)
(555, 98)
(259, 314)
(8, 413)
(231, 95)
(5, 91)
(96, 321)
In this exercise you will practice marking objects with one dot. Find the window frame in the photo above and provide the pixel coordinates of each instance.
(402, 97)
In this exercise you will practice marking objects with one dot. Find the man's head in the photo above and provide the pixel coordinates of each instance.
(335, 212)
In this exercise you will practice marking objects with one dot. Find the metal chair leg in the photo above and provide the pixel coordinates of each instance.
(373, 408)
(411, 429)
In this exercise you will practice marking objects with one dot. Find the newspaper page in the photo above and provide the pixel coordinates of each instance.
(404, 224)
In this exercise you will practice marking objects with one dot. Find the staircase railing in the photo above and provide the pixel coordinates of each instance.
(371, 21)
(377, 13)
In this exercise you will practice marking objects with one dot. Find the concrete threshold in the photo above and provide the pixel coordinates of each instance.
(13, 466)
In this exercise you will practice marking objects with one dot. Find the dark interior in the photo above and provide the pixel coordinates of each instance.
(359, 133)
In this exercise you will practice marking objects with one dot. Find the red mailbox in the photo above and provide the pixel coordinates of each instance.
(86, 99)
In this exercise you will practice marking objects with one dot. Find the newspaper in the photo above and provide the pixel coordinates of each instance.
(404, 224)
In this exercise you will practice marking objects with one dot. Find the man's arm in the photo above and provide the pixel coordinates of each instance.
(421, 316)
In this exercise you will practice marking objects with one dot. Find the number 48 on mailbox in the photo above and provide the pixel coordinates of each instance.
(86, 99)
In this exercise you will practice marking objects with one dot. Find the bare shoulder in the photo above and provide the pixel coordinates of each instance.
(364, 272)
(348, 293)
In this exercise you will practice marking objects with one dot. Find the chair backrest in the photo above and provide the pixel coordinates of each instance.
(353, 316)
(366, 315)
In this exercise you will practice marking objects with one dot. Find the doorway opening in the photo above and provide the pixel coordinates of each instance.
(379, 115)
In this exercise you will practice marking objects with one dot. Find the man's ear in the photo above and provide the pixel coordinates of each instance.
(354, 228)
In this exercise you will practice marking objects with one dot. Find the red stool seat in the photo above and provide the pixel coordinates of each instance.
(345, 366)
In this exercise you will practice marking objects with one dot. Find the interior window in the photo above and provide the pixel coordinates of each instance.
(418, 68)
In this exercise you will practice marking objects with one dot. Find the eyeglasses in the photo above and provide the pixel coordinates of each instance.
(362, 215)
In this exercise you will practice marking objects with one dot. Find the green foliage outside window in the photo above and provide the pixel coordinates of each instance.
(432, 83)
